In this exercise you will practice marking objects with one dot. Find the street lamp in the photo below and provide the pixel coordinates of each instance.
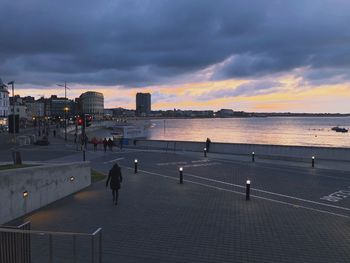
(65, 108)
(12, 83)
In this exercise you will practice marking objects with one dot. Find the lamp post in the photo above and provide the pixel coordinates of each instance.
(65, 108)
(12, 83)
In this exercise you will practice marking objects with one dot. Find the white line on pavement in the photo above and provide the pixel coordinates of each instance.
(271, 193)
(114, 160)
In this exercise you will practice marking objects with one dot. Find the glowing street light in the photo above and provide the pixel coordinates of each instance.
(135, 163)
(181, 175)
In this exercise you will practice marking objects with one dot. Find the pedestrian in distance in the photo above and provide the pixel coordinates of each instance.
(54, 133)
(105, 143)
(94, 142)
(110, 144)
(75, 137)
(114, 180)
(207, 144)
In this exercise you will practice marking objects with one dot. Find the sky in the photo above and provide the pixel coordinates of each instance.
(257, 55)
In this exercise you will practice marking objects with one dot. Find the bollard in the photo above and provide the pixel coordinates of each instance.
(84, 155)
(253, 157)
(247, 192)
(181, 175)
(205, 152)
(135, 163)
(313, 162)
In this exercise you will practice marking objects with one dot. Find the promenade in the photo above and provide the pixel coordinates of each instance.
(292, 215)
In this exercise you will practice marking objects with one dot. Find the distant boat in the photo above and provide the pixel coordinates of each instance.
(339, 129)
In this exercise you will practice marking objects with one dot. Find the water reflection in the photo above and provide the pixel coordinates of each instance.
(307, 131)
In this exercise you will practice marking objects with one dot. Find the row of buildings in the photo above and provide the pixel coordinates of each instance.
(56, 108)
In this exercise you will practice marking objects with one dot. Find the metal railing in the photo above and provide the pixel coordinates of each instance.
(17, 243)
(14, 246)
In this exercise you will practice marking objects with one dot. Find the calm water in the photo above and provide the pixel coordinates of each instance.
(308, 131)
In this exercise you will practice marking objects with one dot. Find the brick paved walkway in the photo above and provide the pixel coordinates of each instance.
(159, 220)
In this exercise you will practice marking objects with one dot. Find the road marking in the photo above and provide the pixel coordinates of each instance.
(240, 193)
(114, 160)
(188, 164)
(271, 193)
(267, 166)
(336, 196)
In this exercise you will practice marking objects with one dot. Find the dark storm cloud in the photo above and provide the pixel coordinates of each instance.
(137, 43)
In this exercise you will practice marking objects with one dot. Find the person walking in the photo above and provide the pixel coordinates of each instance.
(105, 143)
(94, 141)
(114, 180)
(207, 144)
(110, 144)
(54, 133)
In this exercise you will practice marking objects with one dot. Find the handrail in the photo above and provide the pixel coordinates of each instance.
(11, 230)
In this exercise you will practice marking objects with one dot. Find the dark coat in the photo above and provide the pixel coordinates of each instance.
(114, 177)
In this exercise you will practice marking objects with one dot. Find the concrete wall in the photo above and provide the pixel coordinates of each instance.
(44, 184)
(298, 153)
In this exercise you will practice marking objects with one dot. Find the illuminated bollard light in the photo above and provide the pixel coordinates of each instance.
(253, 157)
(181, 175)
(135, 163)
(25, 194)
(313, 161)
(247, 191)
(205, 152)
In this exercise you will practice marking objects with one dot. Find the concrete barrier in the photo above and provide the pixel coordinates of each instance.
(282, 152)
(42, 184)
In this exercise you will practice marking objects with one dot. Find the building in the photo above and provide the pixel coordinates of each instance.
(59, 107)
(225, 113)
(4, 104)
(92, 102)
(143, 104)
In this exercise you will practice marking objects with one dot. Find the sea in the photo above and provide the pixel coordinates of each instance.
(302, 131)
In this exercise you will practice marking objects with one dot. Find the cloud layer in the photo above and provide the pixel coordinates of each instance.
(149, 42)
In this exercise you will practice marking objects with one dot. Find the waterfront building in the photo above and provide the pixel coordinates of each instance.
(225, 113)
(143, 104)
(59, 107)
(4, 104)
(20, 110)
(92, 102)
(35, 109)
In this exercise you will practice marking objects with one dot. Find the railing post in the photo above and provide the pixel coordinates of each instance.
(74, 249)
(93, 249)
(100, 247)
(50, 249)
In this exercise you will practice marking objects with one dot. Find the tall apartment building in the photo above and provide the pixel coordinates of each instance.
(4, 104)
(143, 104)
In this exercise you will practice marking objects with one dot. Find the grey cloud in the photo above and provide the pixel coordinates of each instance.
(251, 88)
(150, 42)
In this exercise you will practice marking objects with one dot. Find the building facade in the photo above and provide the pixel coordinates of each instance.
(4, 104)
(143, 104)
(92, 102)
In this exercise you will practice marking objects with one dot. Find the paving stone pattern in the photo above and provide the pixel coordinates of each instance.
(159, 220)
